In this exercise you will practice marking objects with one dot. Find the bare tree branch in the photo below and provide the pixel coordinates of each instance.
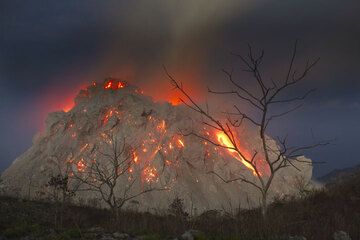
(295, 98)
(282, 155)
(103, 175)
(242, 179)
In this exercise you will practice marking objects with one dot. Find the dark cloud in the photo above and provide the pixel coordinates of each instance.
(54, 44)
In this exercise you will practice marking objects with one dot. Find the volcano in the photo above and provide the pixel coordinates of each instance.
(161, 154)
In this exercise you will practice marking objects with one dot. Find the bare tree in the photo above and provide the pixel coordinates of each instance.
(60, 183)
(62, 189)
(261, 101)
(103, 175)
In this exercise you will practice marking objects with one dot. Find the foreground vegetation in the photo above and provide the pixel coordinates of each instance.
(316, 215)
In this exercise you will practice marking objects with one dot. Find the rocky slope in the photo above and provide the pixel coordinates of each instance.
(151, 134)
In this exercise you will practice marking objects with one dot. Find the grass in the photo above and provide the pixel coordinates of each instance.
(316, 215)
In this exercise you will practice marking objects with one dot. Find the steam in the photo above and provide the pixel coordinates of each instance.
(179, 34)
(195, 25)
(187, 26)
(136, 38)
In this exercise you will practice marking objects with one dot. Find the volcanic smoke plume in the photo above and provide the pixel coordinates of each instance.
(153, 136)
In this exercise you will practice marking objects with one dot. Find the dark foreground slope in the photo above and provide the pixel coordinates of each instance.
(316, 216)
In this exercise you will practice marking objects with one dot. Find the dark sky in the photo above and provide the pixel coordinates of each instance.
(49, 49)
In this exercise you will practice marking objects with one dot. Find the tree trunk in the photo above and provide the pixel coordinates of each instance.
(264, 205)
(115, 212)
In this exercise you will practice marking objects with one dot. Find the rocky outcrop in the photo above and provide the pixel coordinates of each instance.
(162, 155)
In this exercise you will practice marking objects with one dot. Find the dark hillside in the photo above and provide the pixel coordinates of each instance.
(317, 215)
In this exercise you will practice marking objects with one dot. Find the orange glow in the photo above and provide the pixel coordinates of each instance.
(84, 147)
(224, 140)
(175, 100)
(80, 165)
(139, 91)
(58, 96)
(160, 90)
(111, 112)
(157, 142)
(114, 84)
(181, 143)
(161, 126)
(68, 106)
(150, 174)
(135, 157)
(121, 85)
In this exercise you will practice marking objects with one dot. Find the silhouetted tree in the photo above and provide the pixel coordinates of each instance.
(177, 209)
(102, 175)
(262, 103)
(61, 183)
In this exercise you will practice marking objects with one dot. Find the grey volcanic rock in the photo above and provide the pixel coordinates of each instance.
(167, 158)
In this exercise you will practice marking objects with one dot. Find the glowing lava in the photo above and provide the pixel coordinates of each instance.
(181, 143)
(157, 142)
(69, 106)
(150, 174)
(81, 166)
(111, 112)
(224, 140)
(135, 157)
(174, 100)
(114, 84)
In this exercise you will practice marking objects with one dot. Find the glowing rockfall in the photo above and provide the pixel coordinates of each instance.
(161, 155)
